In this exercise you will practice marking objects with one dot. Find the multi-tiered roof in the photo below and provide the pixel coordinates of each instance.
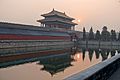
(57, 19)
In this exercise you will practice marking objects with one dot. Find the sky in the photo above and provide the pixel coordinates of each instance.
(87, 13)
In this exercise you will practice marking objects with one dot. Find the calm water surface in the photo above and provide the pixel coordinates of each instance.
(55, 64)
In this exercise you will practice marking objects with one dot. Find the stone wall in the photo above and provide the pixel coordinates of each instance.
(99, 44)
(101, 71)
(31, 43)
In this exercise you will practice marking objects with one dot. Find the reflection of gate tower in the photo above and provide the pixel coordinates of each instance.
(56, 63)
(55, 19)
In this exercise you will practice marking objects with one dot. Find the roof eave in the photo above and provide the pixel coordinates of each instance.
(46, 15)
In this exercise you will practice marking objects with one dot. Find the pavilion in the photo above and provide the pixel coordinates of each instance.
(56, 19)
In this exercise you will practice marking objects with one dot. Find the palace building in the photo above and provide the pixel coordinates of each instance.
(56, 19)
(56, 27)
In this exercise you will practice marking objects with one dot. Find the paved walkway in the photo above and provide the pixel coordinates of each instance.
(116, 75)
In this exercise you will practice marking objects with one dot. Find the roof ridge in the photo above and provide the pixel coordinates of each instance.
(55, 12)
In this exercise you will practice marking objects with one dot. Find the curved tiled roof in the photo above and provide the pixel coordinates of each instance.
(56, 20)
(54, 12)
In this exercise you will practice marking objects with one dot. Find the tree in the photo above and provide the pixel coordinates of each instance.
(91, 34)
(113, 35)
(97, 35)
(119, 36)
(84, 34)
(105, 35)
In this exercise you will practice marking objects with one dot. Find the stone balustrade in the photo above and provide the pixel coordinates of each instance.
(101, 71)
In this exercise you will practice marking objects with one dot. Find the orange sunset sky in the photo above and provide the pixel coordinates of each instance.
(95, 13)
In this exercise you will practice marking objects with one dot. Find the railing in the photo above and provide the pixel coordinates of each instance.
(101, 71)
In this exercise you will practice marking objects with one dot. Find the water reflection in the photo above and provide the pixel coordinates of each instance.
(97, 53)
(7, 59)
(83, 51)
(113, 52)
(90, 54)
(118, 51)
(56, 59)
(57, 63)
(77, 56)
(104, 54)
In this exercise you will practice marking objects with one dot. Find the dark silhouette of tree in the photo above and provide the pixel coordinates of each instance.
(91, 34)
(97, 35)
(113, 52)
(104, 54)
(97, 53)
(105, 35)
(119, 36)
(113, 35)
(83, 51)
(84, 34)
(91, 52)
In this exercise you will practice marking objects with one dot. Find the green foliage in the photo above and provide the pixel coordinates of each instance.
(105, 35)
(84, 34)
(97, 35)
(119, 36)
(91, 34)
(113, 35)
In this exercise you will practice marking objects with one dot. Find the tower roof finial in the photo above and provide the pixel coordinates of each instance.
(53, 9)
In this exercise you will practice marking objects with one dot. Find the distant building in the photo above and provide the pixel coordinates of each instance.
(55, 26)
(56, 19)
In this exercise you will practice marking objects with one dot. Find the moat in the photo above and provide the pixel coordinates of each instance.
(57, 63)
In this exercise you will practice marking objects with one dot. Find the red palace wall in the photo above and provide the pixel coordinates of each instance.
(24, 37)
